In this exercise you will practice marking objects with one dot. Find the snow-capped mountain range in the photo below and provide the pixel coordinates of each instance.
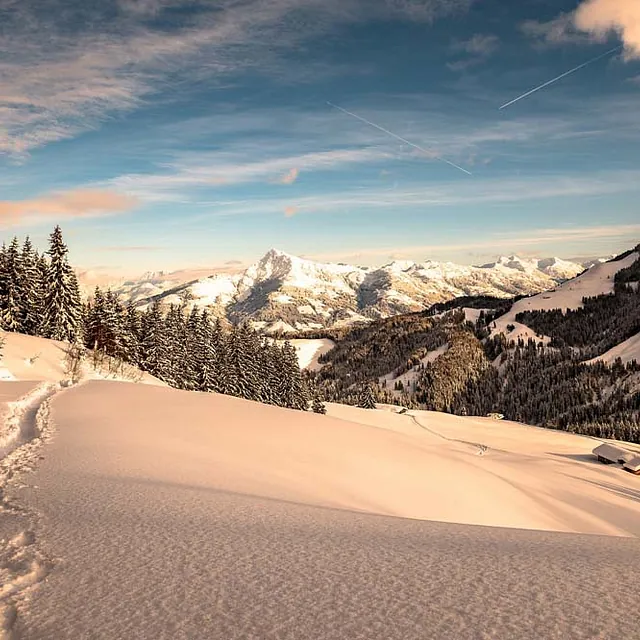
(285, 292)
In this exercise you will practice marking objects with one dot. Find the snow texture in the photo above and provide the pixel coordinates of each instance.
(140, 511)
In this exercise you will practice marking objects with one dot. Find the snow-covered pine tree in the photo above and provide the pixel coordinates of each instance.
(12, 306)
(153, 357)
(76, 308)
(318, 405)
(367, 399)
(131, 334)
(240, 363)
(269, 360)
(114, 325)
(203, 352)
(61, 314)
(190, 347)
(42, 273)
(174, 336)
(30, 288)
(94, 314)
(218, 356)
(293, 388)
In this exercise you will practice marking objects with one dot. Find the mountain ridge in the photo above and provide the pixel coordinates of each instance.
(282, 292)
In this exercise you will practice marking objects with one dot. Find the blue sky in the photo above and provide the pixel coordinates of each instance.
(165, 134)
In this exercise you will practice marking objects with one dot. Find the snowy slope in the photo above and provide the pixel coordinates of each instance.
(282, 292)
(596, 281)
(310, 350)
(156, 513)
(26, 357)
(627, 351)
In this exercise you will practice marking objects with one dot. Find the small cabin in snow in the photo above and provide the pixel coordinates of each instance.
(632, 466)
(609, 454)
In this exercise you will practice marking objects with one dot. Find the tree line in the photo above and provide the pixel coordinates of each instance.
(40, 296)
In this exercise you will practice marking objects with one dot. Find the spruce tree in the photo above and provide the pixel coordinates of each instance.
(30, 286)
(204, 357)
(153, 357)
(61, 316)
(318, 405)
(42, 274)
(12, 306)
(367, 399)
(132, 334)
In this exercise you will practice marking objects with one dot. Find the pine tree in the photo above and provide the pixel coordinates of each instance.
(293, 390)
(30, 286)
(367, 399)
(12, 306)
(318, 405)
(114, 325)
(42, 273)
(174, 340)
(204, 357)
(95, 329)
(61, 317)
(153, 357)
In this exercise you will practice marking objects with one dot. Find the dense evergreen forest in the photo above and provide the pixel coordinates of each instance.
(39, 295)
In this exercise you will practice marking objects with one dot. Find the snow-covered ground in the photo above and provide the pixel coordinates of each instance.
(139, 511)
(309, 350)
(596, 281)
(25, 357)
(627, 351)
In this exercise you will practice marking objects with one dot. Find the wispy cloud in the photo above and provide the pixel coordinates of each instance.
(559, 31)
(130, 249)
(208, 170)
(512, 243)
(68, 204)
(433, 197)
(478, 48)
(64, 70)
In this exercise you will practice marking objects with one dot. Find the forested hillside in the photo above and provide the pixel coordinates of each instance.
(601, 323)
(478, 374)
(39, 296)
(364, 354)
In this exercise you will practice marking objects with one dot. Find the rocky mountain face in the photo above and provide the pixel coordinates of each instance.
(282, 292)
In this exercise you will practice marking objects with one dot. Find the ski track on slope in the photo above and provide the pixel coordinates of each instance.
(22, 564)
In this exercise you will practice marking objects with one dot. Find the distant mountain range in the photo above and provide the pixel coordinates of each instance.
(282, 292)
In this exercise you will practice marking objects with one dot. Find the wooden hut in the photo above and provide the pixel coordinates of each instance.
(610, 454)
(632, 466)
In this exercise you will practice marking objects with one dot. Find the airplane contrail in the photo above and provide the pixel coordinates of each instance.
(566, 73)
(394, 135)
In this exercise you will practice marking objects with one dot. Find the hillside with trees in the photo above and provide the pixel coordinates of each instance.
(479, 374)
(601, 323)
(39, 296)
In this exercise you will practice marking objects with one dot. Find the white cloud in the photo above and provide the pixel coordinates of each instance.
(603, 17)
(592, 21)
